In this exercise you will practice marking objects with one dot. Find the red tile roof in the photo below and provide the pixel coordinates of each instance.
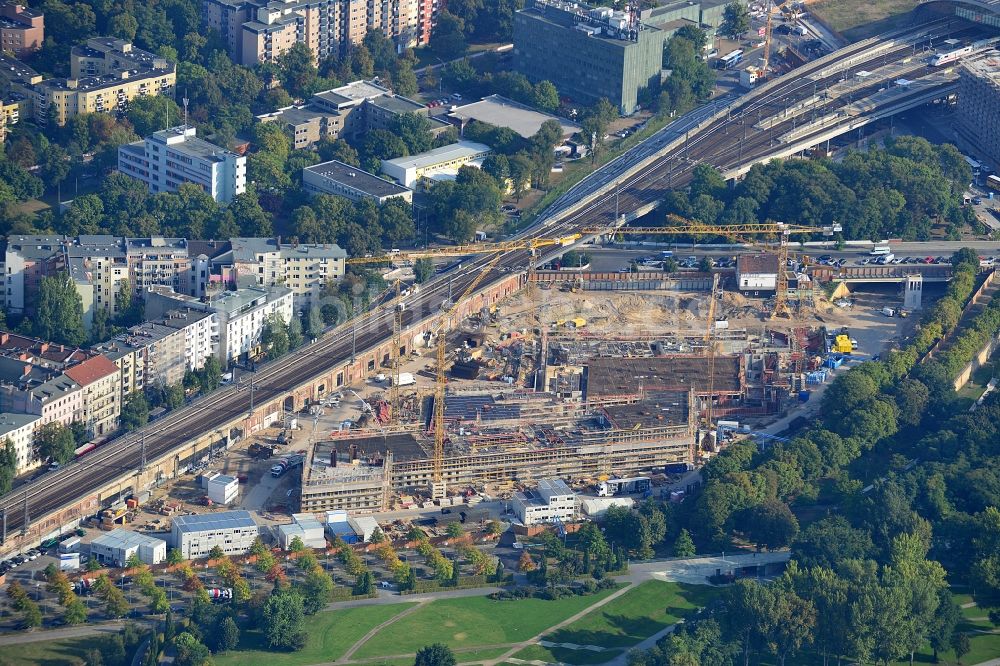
(757, 264)
(91, 370)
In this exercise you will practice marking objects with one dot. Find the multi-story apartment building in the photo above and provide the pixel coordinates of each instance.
(102, 399)
(346, 112)
(27, 260)
(105, 75)
(22, 30)
(130, 360)
(19, 430)
(101, 265)
(170, 157)
(241, 315)
(261, 30)
(27, 388)
(179, 341)
(304, 268)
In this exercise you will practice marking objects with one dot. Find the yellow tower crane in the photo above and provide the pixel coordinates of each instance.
(466, 250)
(437, 480)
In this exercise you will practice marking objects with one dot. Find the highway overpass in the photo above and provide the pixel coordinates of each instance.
(722, 134)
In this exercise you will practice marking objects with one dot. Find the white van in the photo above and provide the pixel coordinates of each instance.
(880, 249)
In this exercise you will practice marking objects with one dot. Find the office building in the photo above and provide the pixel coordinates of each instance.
(105, 75)
(979, 108)
(256, 31)
(116, 547)
(168, 158)
(195, 536)
(409, 171)
(304, 267)
(241, 315)
(551, 502)
(589, 53)
(101, 382)
(19, 430)
(346, 112)
(22, 29)
(343, 180)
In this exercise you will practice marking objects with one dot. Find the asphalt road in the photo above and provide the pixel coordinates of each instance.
(728, 141)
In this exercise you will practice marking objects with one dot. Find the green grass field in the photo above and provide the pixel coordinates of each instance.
(471, 622)
(478, 655)
(636, 615)
(331, 634)
(48, 653)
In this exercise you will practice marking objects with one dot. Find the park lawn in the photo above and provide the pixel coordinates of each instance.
(64, 651)
(556, 655)
(636, 615)
(331, 634)
(474, 656)
(473, 621)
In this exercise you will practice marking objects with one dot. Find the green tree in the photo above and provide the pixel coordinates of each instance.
(8, 466)
(282, 620)
(961, 645)
(174, 556)
(190, 651)
(546, 97)
(59, 313)
(423, 270)
(770, 525)
(684, 545)
(317, 591)
(437, 654)
(135, 411)
(75, 613)
(227, 636)
(54, 441)
(735, 20)
(151, 113)
(448, 36)
(454, 530)
(298, 73)
(274, 337)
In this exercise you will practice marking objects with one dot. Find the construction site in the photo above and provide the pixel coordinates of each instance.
(582, 386)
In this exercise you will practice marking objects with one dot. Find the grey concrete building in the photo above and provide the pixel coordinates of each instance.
(344, 180)
(589, 53)
(232, 531)
(979, 108)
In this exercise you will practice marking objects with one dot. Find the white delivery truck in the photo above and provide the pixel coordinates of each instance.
(406, 379)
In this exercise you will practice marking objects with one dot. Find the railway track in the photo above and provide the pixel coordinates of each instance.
(718, 144)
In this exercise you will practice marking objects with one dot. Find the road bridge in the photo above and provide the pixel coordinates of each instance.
(721, 134)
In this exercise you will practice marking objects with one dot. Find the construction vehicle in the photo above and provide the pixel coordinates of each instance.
(842, 344)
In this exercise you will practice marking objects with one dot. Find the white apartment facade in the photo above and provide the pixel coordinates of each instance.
(168, 158)
(20, 430)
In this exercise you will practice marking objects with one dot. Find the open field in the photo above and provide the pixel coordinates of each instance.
(636, 615)
(473, 621)
(859, 19)
(331, 634)
(49, 653)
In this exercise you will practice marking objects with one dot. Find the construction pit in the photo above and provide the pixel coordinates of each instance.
(580, 386)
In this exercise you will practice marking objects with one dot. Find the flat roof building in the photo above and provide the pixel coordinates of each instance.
(340, 179)
(757, 272)
(979, 107)
(169, 158)
(306, 527)
(116, 547)
(232, 531)
(22, 29)
(105, 75)
(20, 430)
(408, 171)
(502, 112)
(551, 502)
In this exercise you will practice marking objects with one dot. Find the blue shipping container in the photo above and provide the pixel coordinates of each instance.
(803, 396)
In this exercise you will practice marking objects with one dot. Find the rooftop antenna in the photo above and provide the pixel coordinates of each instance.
(185, 110)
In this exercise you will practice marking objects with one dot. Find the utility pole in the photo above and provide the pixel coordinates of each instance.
(142, 464)
(354, 341)
(3, 537)
(617, 215)
(252, 375)
(27, 517)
